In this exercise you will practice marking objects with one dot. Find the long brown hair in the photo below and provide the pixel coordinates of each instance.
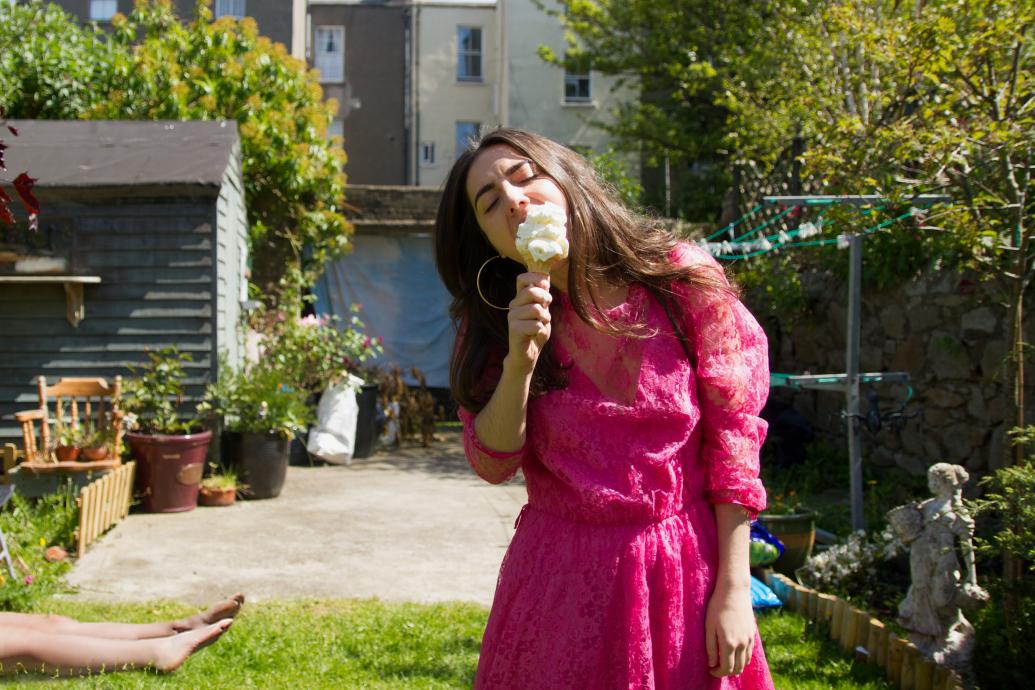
(609, 245)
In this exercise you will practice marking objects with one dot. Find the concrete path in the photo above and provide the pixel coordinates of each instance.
(408, 525)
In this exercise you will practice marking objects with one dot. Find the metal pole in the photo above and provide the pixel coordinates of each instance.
(852, 380)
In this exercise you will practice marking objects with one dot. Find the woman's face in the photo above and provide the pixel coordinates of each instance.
(501, 185)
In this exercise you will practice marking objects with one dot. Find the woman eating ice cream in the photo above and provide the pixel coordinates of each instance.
(615, 366)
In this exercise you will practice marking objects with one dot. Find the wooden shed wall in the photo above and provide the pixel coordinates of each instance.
(231, 282)
(158, 260)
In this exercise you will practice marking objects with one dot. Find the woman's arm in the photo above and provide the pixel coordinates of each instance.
(501, 425)
(729, 622)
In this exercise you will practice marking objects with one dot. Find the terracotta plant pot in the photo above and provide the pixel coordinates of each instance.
(217, 497)
(95, 453)
(67, 453)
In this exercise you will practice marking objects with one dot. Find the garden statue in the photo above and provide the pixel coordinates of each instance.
(933, 529)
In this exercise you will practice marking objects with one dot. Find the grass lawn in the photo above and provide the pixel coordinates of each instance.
(370, 644)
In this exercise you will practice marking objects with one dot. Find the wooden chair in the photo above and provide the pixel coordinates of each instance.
(90, 400)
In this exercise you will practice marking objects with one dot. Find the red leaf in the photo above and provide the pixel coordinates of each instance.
(23, 184)
(5, 213)
(13, 130)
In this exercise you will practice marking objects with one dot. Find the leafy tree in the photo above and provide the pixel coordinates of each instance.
(48, 63)
(679, 53)
(903, 98)
(154, 67)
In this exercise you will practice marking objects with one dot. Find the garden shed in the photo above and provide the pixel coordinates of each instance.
(142, 243)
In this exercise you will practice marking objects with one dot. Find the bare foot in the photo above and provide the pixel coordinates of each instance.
(175, 650)
(227, 608)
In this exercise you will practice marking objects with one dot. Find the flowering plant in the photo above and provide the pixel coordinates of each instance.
(869, 569)
(312, 352)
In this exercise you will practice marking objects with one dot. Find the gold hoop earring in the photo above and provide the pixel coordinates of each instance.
(478, 283)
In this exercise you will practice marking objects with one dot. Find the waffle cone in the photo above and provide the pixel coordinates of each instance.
(540, 266)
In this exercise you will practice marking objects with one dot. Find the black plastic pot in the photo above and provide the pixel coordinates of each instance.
(298, 455)
(366, 422)
(262, 462)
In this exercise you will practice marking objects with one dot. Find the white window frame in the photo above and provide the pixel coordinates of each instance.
(330, 65)
(576, 80)
(461, 54)
(427, 153)
(103, 10)
(229, 8)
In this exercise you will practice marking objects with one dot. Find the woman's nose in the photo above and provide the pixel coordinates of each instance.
(516, 199)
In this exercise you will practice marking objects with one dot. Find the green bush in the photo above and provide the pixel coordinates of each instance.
(30, 526)
(1006, 627)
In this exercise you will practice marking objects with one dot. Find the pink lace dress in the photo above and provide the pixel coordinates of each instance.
(607, 578)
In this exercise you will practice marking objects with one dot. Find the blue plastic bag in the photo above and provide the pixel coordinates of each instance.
(761, 596)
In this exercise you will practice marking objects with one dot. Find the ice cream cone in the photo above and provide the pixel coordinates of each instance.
(539, 266)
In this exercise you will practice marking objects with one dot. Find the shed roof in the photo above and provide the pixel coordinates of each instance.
(106, 153)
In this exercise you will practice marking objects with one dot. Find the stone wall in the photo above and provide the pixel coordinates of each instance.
(948, 331)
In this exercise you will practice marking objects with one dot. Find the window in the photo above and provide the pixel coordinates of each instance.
(336, 128)
(469, 53)
(229, 8)
(466, 134)
(103, 10)
(427, 153)
(577, 82)
(330, 53)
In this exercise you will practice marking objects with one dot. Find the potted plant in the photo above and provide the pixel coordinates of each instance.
(794, 525)
(96, 442)
(219, 488)
(67, 446)
(311, 353)
(261, 415)
(170, 451)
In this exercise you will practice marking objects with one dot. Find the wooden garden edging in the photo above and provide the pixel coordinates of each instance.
(864, 636)
(102, 504)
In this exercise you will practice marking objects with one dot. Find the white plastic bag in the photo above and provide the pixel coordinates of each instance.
(333, 439)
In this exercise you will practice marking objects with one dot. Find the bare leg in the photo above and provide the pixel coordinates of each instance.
(58, 654)
(228, 608)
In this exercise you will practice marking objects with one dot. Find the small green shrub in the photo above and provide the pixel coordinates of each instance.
(30, 526)
(1005, 628)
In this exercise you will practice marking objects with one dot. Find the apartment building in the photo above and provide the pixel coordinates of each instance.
(544, 98)
(360, 48)
(456, 81)
(283, 21)
(416, 80)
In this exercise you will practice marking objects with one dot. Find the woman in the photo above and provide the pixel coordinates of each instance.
(626, 385)
(62, 646)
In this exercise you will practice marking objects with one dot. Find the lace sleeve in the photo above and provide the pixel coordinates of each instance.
(732, 372)
(484, 460)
